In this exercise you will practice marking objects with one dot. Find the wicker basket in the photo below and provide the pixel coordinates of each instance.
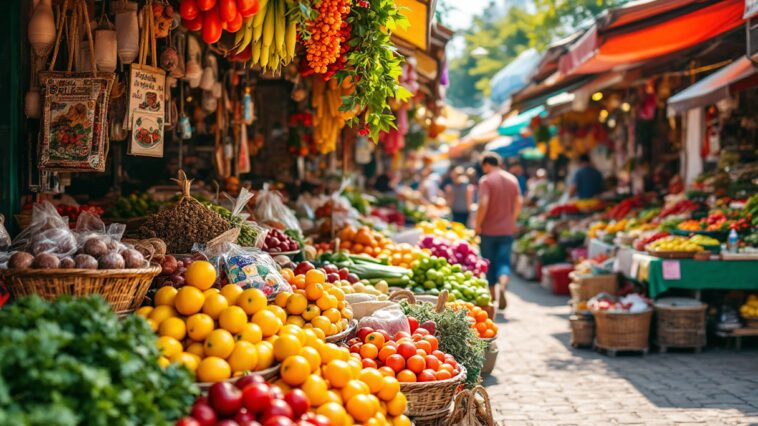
(680, 326)
(430, 403)
(585, 287)
(622, 331)
(490, 357)
(269, 374)
(582, 330)
(343, 336)
(124, 289)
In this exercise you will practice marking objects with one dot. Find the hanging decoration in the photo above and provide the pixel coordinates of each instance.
(127, 32)
(41, 28)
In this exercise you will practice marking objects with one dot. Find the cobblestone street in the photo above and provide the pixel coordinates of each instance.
(541, 380)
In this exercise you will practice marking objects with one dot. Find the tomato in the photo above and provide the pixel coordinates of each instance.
(427, 376)
(424, 346)
(395, 362)
(406, 349)
(368, 363)
(211, 26)
(432, 362)
(227, 10)
(416, 363)
(248, 7)
(433, 342)
(193, 25)
(188, 9)
(206, 5)
(413, 323)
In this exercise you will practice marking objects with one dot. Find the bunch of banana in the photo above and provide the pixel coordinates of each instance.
(328, 120)
(271, 34)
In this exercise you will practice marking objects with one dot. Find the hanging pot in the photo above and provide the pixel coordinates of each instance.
(217, 90)
(32, 105)
(105, 49)
(169, 59)
(41, 28)
(206, 83)
(127, 30)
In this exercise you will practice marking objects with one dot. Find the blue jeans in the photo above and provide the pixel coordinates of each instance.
(460, 217)
(497, 249)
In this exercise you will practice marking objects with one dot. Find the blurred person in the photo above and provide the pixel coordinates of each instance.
(499, 206)
(516, 169)
(587, 181)
(460, 196)
(430, 184)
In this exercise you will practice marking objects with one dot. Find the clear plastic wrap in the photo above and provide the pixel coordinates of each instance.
(248, 267)
(269, 207)
(390, 319)
(47, 233)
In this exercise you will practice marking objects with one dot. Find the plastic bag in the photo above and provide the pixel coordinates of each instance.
(269, 207)
(5, 238)
(248, 267)
(390, 319)
(47, 233)
(89, 225)
(251, 234)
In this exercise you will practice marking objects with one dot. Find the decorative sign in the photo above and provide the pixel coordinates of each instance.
(671, 270)
(147, 134)
(146, 113)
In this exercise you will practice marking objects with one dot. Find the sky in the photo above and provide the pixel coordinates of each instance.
(463, 11)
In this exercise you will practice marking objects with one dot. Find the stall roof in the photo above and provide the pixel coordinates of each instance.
(513, 76)
(628, 35)
(512, 125)
(739, 74)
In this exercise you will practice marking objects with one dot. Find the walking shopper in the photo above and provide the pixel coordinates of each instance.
(587, 181)
(460, 195)
(499, 205)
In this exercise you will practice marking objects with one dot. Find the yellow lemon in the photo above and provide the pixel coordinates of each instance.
(214, 304)
(165, 296)
(231, 292)
(199, 326)
(173, 327)
(232, 319)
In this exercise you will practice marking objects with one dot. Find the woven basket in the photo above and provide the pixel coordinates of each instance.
(343, 336)
(622, 331)
(490, 357)
(430, 402)
(269, 374)
(124, 289)
(680, 327)
(582, 330)
(585, 287)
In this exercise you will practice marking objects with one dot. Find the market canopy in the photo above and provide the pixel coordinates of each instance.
(485, 131)
(512, 126)
(717, 86)
(513, 76)
(510, 147)
(627, 35)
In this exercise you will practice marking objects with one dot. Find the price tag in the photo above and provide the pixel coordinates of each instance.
(671, 270)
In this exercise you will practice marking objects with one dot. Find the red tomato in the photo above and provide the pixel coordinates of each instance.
(248, 7)
(211, 27)
(227, 9)
(400, 334)
(422, 331)
(427, 376)
(416, 363)
(395, 362)
(356, 348)
(235, 24)
(432, 362)
(205, 5)
(193, 25)
(406, 349)
(188, 9)
(439, 354)
(413, 323)
(425, 346)
(368, 363)
(433, 342)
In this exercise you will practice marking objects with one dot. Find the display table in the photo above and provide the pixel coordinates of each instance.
(663, 274)
(597, 247)
(625, 260)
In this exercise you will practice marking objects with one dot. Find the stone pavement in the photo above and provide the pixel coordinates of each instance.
(540, 379)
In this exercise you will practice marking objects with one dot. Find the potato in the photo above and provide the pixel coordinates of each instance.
(20, 260)
(133, 259)
(95, 247)
(46, 261)
(54, 240)
(67, 263)
(85, 261)
(111, 260)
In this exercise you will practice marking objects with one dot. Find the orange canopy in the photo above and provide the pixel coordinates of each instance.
(621, 46)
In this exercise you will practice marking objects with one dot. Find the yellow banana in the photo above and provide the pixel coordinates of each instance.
(281, 25)
(264, 56)
(268, 25)
(291, 39)
(259, 17)
(256, 53)
(246, 38)
(257, 32)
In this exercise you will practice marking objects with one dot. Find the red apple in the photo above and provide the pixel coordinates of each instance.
(278, 408)
(225, 398)
(413, 322)
(244, 416)
(343, 272)
(257, 397)
(187, 421)
(298, 401)
(227, 422)
(352, 278)
(278, 421)
(332, 277)
(330, 269)
(244, 381)
(317, 419)
(363, 332)
(203, 413)
(303, 267)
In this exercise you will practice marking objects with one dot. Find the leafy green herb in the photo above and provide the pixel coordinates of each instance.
(374, 65)
(73, 362)
(456, 337)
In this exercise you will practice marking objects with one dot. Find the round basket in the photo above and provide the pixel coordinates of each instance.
(585, 287)
(622, 331)
(680, 323)
(582, 330)
(124, 289)
(430, 402)
(672, 254)
(269, 374)
(344, 335)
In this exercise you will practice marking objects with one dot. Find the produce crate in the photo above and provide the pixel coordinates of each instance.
(430, 403)
(622, 331)
(582, 330)
(587, 286)
(558, 274)
(680, 323)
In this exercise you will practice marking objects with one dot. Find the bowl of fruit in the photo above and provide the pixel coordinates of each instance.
(674, 247)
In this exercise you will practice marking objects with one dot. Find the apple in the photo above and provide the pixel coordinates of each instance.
(363, 332)
(187, 421)
(352, 278)
(332, 277)
(317, 419)
(257, 397)
(227, 422)
(225, 398)
(278, 421)
(203, 413)
(413, 322)
(277, 408)
(303, 267)
(343, 272)
(298, 401)
(244, 416)
(330, 269)
(244, 381)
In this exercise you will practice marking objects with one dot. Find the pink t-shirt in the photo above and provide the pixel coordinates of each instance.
(502, 189)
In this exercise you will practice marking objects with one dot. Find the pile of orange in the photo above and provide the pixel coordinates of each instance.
(363, 240)
(339, 387)
(478, 317)
(314, 303)
(402, 254)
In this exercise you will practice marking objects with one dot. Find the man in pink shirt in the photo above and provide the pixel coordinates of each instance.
(499, 206)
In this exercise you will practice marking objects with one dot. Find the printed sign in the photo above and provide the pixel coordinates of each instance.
(147, 135)
(147, 103)
(671, 270)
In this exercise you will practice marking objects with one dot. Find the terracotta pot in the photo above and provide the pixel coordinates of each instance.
(127, 30)
(41, 28)
(32, 104)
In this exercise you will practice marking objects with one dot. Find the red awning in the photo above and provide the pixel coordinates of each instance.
(618, 42)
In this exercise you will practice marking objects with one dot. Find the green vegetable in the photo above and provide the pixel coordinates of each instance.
(73, 362)
(248, 234)
(455, 335)
(133, 205)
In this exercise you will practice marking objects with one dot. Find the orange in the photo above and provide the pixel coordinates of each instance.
(337, 372)
(387, 371)
(311, 311)
(295, 370)
(295, 320)
(416, 363)
(355, 367)
(287, 274)
(199, 326)
(232, 319)
(251, 301)
(333, 395)
(329, 352)
(196, 348)
(353, 388)
(250, 333)
(294, 330)
(186, 359)
(326, 301)
(200, 274)
(333, 315)
(373, 378)
(287, 345)
(489, 333)
(299, 281)
(281, 299)
(173, 327)
(369, 351)
(361, 407)
(312, 339)
(267, 321)
(321, 322)
(265, 355)
(165, 296)
(397, 405)
(168, 346)
(211, 291)
(244, 357)
(296, 304)
(442, 375)
(213, 369)
(375, 338)
(390, 388)
(189, 300)
(219, 343)
(160, 313)
(144, 311)
(313, 357)
(314, 276)
(334, 412)
(433, 342)
(314, 291)
(163, 362)
(279, 311)
(424, 346)
(315, 389)
(401, 420)
(231, 292)
(406, 376)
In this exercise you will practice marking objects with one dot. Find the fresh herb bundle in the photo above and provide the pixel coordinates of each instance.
(455, 335)
(73, 362)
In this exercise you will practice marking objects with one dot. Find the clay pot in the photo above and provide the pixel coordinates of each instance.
(41, 29)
